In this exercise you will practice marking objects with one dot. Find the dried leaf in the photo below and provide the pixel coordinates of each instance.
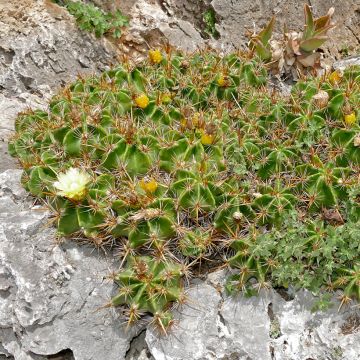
(333, 216)
(309, 60)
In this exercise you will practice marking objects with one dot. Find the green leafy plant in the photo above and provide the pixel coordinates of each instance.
(209, 19)
(90, 18)
(184, 159)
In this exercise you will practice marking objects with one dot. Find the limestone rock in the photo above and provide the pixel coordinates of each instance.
(41, 48)
(181, 22)
(215, 326)
(344, 63)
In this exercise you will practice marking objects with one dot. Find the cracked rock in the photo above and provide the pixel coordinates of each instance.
(345, 63)
(215, 326)
(41, 48)
(181, 22)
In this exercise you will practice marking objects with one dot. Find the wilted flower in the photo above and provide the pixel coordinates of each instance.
(357, 141)
(237, 215)
(72, 184)
(321, 98)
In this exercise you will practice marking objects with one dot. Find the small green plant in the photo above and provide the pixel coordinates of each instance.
(185, 158)
(209, 19)
(90, 18)
(296, 51)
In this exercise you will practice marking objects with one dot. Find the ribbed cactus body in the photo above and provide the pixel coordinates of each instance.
(185, 156)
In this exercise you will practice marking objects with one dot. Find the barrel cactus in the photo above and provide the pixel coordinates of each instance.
(184, 159)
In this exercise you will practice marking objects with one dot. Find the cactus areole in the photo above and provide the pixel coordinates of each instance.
(189, 158)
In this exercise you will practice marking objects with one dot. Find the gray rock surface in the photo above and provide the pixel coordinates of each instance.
(350, 61)
(214, 326)
(41, 48)
(181, 22)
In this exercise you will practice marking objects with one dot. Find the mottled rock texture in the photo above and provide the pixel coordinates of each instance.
(181, 21)
(268, 327)
(50, 292)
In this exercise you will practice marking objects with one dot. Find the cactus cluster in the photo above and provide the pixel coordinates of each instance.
(185, 159)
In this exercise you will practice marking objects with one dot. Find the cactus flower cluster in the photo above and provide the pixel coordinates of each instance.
(187, 159)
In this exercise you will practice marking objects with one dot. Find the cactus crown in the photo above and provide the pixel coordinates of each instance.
(185, 157)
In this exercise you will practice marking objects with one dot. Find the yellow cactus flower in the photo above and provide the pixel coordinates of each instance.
(221, 81)
(142, 101)
(207, 139)
(155, 56)
(148, 185)
(335, 77)
(72, 184)
(350, 119)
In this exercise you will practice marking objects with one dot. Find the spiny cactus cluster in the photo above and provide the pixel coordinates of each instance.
(185, 159)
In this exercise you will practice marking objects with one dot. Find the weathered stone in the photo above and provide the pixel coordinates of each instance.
(319, 335)
(215, 326)
(181, 22)
(41, 48)
(350, 61)
(195, 335)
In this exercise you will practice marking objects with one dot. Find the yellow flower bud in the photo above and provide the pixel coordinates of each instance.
(183, 122)
(221, 81)
(350, 119)
(207, 139)
(155, 56)
(195, 120)
(142, 101)
(148, 185)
